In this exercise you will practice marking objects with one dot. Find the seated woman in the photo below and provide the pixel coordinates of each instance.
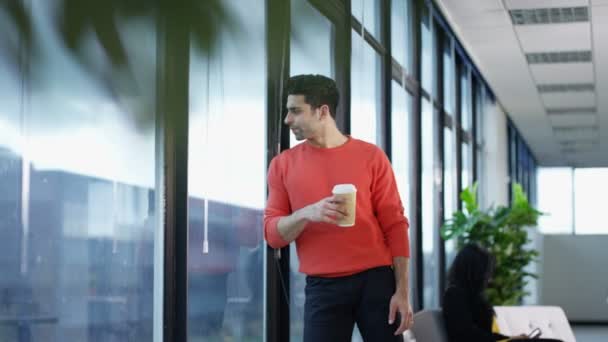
(467, 313)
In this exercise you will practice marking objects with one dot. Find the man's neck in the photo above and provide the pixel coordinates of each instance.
(329, 139)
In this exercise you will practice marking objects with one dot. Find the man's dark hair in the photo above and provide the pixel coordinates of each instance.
(318, 90)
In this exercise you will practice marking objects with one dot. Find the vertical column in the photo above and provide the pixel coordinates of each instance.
(173, 85)
(277, 261)
(415, 189)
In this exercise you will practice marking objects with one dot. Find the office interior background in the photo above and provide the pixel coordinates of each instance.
(134, 147)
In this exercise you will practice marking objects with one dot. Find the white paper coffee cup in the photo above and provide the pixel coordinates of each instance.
(349, 193)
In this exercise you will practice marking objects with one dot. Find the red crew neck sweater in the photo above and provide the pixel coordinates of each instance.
(305, 174)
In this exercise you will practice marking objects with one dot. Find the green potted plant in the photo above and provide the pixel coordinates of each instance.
(503, 231)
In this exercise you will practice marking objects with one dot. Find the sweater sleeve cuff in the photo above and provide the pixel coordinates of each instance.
(274, 239)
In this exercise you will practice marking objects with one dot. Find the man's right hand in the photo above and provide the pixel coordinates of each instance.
(329, 210)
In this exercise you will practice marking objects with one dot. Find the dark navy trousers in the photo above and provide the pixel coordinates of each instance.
(334, 305)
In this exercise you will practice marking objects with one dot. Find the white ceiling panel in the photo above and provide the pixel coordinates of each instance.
(498, 48)
(554, 37)
(563, 73)
(489, 19)
(573, 119)
(573, 99)
(526, 4)
(458, 7)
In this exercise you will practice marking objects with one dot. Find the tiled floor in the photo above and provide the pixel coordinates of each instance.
(586, 333)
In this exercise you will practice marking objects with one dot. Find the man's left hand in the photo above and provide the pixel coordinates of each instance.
(400, 303)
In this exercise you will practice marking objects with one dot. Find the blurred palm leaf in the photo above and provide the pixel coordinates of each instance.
(76, 22)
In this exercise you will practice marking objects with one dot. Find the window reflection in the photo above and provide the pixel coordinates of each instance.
(450, 196)
(429, 248)
(401, 146)
(448, 78)
(311, 44)
(465, 88)
(365, 92)
(401, 142)
(368, 14)
(76, 197)
(427, 55)
(401, 33)
(466, 175)
(226, 182)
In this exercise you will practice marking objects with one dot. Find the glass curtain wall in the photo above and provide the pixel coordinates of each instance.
(366, 67)
(78, 220)
(226, 182)
(450, 191)
(429, 173)
(466, 115)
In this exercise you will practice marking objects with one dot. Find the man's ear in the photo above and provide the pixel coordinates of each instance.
(324, 111)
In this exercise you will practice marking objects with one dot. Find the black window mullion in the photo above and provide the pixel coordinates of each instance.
(342, 42)
(386, 78)
(173, 54)
(278, 14)
(415, 189)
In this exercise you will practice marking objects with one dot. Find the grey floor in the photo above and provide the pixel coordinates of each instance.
(585, 333)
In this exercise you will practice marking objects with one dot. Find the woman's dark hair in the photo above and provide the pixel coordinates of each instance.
(318, 90)
(472, 269)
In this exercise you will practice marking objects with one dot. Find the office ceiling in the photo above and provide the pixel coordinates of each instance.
(547, 62)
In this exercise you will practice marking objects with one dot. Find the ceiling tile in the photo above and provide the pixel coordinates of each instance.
(458, 6)
(555, 37)
(556, 100)
(487, 19)
(573, 119)
(562, 73)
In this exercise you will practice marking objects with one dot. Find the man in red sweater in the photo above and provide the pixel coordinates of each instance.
(355, 274)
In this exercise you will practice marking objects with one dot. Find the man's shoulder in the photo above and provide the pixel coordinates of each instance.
(364, 146)
(287, 154)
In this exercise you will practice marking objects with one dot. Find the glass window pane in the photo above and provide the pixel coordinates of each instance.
(78, 220)
(368, 14)
(401, 33)
(449, 187)
(365, 92)
(429, 232)
(427, 59)
(311, 53)
(401, 143)
(225, 251)
(311, 44)
(555, 200)
(465, 88)
(591, 184)
(448, 78)
(467, 168)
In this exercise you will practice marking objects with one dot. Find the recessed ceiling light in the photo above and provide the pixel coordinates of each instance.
(566, 87)
(586, 131)
(571, 110)
(554, 15)
(559, 57)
